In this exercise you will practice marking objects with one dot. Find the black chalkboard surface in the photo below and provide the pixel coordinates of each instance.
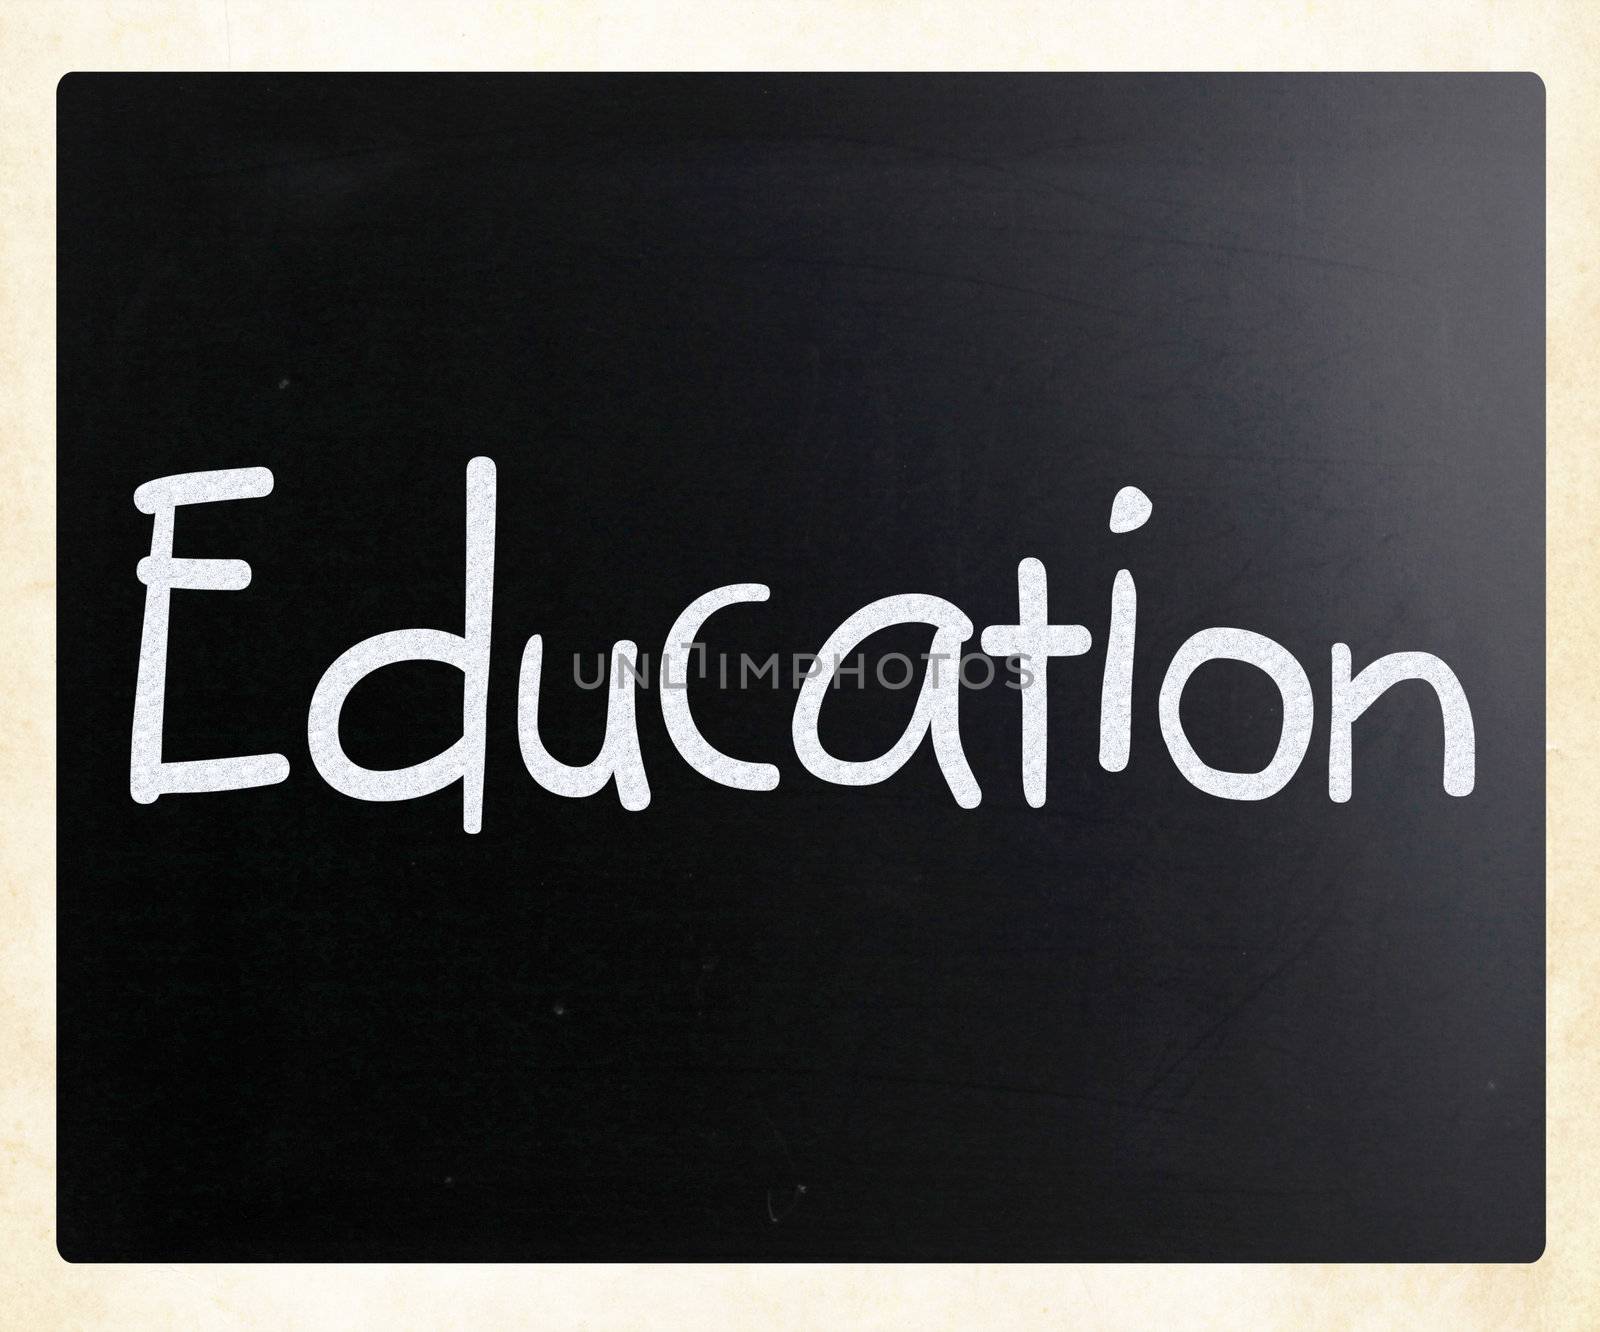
(846, 338)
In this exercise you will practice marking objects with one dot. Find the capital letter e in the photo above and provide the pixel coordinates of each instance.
(148, 777)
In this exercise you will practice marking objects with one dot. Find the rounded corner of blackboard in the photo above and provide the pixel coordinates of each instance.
(69, 1252)
(1537, 1247)
(1533, 82)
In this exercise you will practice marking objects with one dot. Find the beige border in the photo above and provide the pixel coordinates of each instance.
(41, 39)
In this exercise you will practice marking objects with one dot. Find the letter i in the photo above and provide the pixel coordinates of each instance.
(1129, 512)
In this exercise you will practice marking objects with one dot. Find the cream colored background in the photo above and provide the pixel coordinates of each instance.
(42, 39)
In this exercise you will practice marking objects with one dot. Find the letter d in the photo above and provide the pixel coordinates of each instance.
(467, 652)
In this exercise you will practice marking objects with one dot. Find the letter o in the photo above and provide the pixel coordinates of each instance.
(988, 665)
(1298, 708)
(904, 661)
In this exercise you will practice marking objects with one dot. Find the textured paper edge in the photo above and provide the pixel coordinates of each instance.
(42, 39)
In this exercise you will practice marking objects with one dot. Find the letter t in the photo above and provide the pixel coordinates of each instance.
(1035, 640)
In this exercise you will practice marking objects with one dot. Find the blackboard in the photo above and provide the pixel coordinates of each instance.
(847, 338)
